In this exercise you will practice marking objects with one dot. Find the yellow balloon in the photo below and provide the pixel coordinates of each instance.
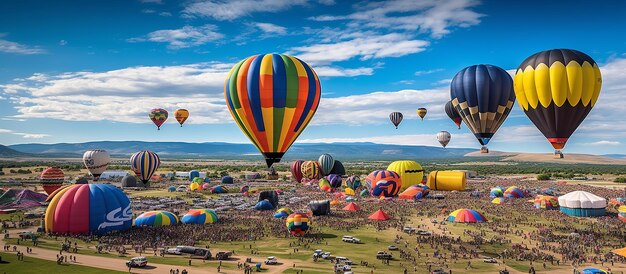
(410, 172)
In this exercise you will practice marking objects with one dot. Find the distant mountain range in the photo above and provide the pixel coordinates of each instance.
(180, 150)
(8, 152)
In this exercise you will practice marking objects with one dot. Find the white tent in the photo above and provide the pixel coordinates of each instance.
(113, 174)
(583, 204)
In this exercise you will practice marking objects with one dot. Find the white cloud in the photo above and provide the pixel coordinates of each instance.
(233, 9)
(24, 135)
(7, 46)
(152, 1)
(62, 43)
(187, 36)
(271, 28)
(605, 143)
(342, 72)
(374, 108)
(165, 13)
(326, 2)
(436, 17)
(426, 72)
(364, 48)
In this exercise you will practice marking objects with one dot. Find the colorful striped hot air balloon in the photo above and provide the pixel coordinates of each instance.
(88, 209)
(353, 182)
(181, 115)
(465, 215)
(156, 218)
(199, 216)
(557, 89)
(272, 98)
(144, 163)
(483, 96)
(326, 162)
(282, 212)
(296, 172)
(310, 170)
(158, 116)
(395, 118)
(298, 223)
(52, 179)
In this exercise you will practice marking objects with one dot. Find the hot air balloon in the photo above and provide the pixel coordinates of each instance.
(181, 116)
(297, 223)
(158, 116)
(410, 172)
(156, 218)
(453, 114)
(326, 162)
(383, 183)
(444, 138)
(272, 98)
(144, 163)
(310, 170)
(557, 89)
(483, 96)
(199, 216)
(296, 172)
(421, 112)
(96, 161)
(88, 209)
(52, 179)
(396, 118)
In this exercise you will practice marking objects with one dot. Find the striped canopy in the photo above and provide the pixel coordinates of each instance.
(199, 216)
(464, 215)
(156, 218)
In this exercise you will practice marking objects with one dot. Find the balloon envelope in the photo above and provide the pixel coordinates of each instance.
(483, 96)
(144, 163)
(181, 115)
(272, 97)
(421, 112)
(395, 118)
(557, 89)
(453, 114)
(158, 116)
(296, 172)
(326, 162)
(96, 161)
(444, 138)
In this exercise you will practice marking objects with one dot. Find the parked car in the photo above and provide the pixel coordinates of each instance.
(317, 252)
(408, 229)
(173, 251)
(392, 247)
(325, 255)
(490, 260)
(438, 271)
(343, 260)
(271, 260)
(347, 239)
(424, 232)
(137, 262)
(383, 255)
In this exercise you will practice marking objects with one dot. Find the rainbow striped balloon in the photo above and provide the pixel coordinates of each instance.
(464, 215)
(156, 218)
(199, 216)
(272, 98)
(298, 223)
(144, 163)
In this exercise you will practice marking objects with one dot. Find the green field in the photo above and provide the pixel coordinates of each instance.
(10, 264)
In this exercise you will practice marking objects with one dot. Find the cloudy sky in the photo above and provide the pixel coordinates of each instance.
(75, 71)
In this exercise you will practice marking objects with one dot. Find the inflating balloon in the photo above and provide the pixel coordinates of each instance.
(483, 96)
(557, 89)
(96, 161)
(181, 115)
(52, 179)
(272, 98)
(410, 172)
(326, 162)
(296, 172)
(297, 223)
(383, 183)
(310, 170)
(158, 116)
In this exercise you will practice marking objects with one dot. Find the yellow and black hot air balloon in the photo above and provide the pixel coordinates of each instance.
(421, 112)
(181, 115)
(272, 98)
(557, 89)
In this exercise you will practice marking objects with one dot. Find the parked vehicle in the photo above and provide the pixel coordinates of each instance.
(392, 247)
(137, 262)
(271, 260)
(490, 260)
(382, 255)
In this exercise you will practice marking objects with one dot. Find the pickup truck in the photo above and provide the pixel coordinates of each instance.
(382, 255)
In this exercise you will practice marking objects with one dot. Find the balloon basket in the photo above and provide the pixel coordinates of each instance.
(484, 150)
(558, 154)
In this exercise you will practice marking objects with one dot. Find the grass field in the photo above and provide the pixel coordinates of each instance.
(10, 264)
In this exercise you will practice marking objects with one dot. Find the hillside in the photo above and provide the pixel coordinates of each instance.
(347, 151)
(6, 152)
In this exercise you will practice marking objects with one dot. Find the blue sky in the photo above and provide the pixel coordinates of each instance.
(75, 71)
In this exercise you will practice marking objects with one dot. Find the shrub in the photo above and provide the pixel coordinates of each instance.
(543, 177)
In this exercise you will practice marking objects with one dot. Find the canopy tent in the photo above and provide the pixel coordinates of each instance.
(464, 215)
(379, 215)
(582, 204)
(352, 207)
